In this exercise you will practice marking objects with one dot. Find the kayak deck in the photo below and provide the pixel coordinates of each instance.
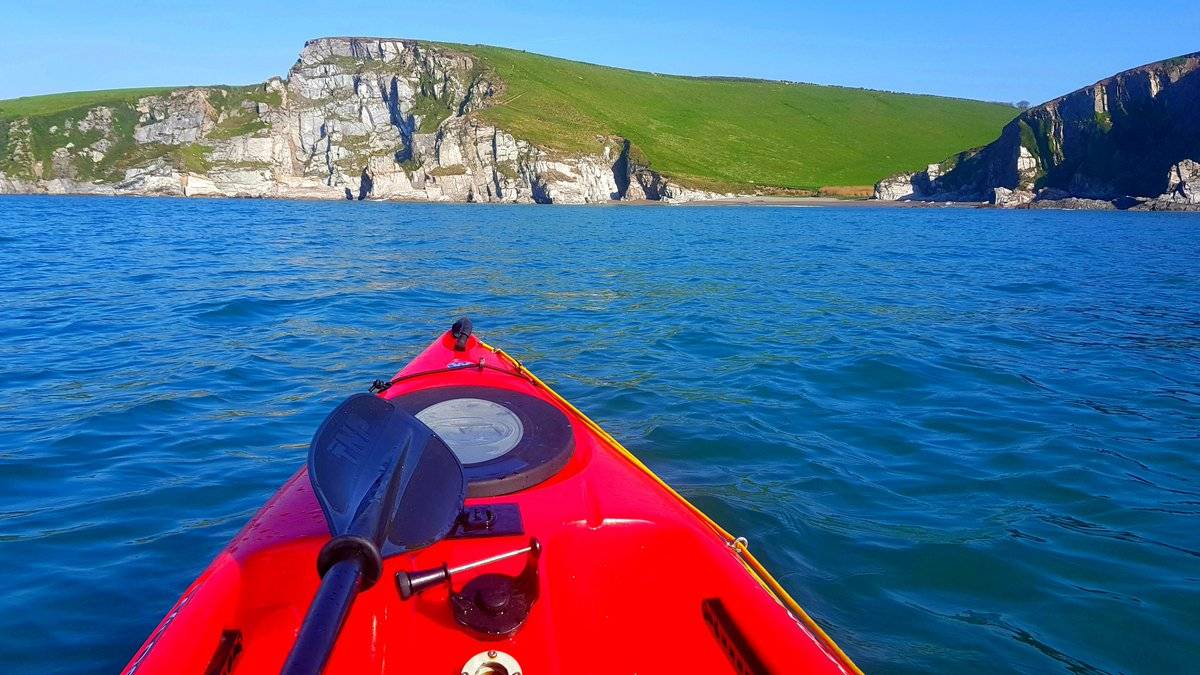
(630, 578)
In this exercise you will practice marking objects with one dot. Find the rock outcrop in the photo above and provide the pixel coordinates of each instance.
(185, 116)
(1130, 140)
(1183, 183)
(1183, 189)
(356, 118)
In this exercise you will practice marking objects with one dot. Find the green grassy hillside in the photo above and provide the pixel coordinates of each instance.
(50, 104)
(731, 132)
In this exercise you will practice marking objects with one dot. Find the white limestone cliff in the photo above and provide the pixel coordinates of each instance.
(356, 118)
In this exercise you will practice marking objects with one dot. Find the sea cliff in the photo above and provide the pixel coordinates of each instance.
(356, 118)
(1129, 141)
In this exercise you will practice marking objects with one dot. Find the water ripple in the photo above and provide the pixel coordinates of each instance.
(964, 440)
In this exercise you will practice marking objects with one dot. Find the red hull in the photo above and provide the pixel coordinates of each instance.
(625, 567)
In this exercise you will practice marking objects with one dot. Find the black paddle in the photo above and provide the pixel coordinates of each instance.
(387, 485)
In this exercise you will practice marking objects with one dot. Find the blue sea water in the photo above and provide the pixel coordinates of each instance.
(966, 441)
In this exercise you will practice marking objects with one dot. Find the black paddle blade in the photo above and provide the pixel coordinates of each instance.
(382, 475)
(432, 501)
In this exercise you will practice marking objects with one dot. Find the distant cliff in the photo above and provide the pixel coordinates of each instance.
(375, 118)
(1132, 140)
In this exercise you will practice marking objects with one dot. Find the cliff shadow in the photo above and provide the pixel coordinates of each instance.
(620, 169)
(365, 185)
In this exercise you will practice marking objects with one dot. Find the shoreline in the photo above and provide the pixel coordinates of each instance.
(744, 200)
(760, 201)
(829, 202)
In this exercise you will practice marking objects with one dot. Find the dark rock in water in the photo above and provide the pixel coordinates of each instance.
(1133, 135)
(1125, 203)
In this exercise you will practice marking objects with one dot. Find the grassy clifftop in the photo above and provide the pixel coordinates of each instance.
(51, 104)
(733, 133)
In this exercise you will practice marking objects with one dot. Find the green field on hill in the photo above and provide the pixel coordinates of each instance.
(735, 133)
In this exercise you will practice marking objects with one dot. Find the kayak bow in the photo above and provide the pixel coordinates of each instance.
(568, 556)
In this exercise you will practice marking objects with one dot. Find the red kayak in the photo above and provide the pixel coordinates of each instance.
(465, 518)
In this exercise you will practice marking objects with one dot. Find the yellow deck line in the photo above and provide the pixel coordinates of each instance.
(757, 570)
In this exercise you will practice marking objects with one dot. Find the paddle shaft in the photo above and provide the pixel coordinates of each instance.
(323, 622)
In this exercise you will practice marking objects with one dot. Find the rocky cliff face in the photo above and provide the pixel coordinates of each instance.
(356, 118)
(1129, 140)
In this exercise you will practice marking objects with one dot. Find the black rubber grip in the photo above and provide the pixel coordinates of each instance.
(348, 546)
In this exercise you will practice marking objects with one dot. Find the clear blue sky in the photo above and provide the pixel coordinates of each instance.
(1004, 51)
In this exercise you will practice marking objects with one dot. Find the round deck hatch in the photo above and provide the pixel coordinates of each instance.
(507, 441)
(476, 429)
